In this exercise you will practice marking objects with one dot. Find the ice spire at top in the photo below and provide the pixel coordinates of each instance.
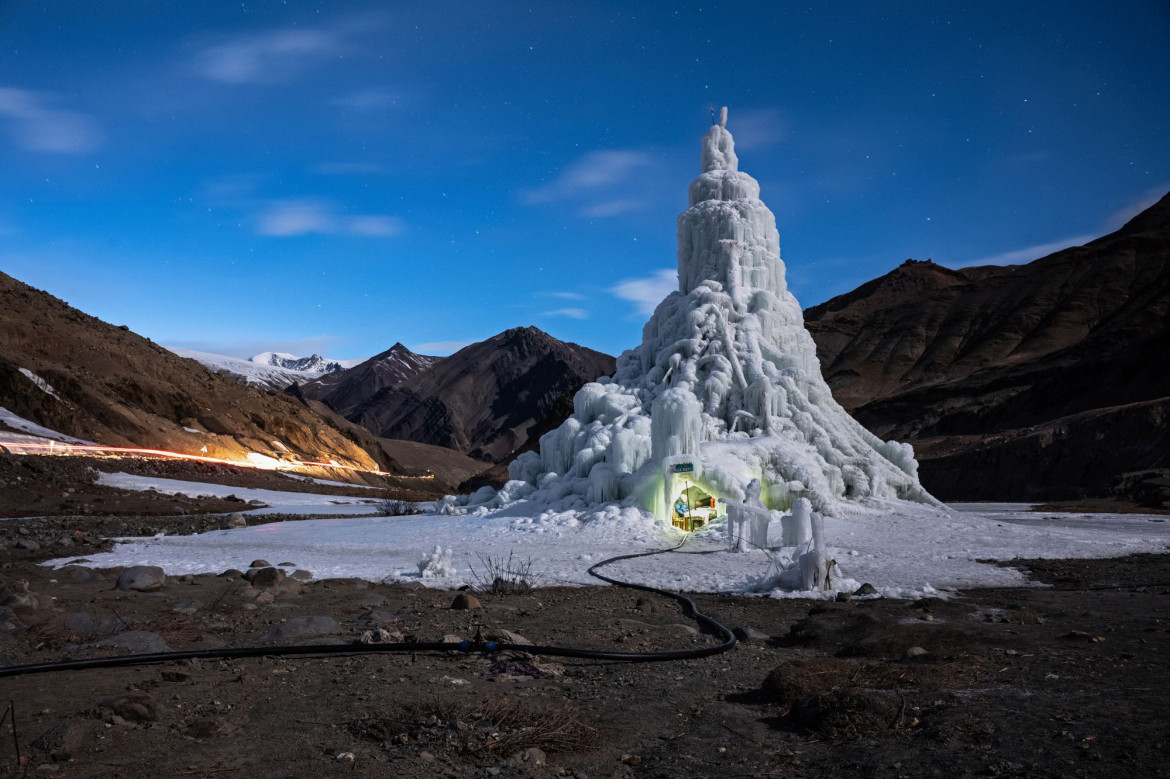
(719, 147)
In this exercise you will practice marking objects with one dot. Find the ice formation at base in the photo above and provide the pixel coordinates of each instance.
(725, 388)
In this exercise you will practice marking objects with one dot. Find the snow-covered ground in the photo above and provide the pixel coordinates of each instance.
(902, 549)
(278, 501)
(33, 433)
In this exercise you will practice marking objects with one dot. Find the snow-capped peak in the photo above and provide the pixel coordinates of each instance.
(314, 364)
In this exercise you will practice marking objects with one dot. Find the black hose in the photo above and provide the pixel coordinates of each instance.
(689, 610)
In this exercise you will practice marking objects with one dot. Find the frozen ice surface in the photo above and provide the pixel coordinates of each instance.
(278, 501)
(905, 550)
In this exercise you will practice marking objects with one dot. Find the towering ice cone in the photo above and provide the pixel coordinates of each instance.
(724, 388)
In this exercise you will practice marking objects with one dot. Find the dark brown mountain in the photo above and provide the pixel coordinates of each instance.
(484, 399)
(1037, 381)
(118, 388)
(347, 389)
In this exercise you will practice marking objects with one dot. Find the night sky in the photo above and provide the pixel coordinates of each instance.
(335, 177)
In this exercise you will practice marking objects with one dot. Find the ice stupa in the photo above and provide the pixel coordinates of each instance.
(724, 389)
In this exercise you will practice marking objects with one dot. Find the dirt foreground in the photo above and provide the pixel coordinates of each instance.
(1071, 679)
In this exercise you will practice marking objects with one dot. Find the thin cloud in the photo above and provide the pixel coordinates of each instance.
(572, 313)
(36, 126)
(367, 100)
(613, 208)
(595, 171)
(1147, 199)
(1115, 220)
(756, 129)
(287, 218)
(246, 348)
(268, 57)
(566, 295)
(441, 348)
(1027, 254)
(647, 293)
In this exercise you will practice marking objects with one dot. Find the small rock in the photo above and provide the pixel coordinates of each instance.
(750, 635)
(265, 598)
(915, 651)
(844, 597)
(301, 575)
(267, 578)
(234, 522)
(382, 636)
(465, 600)
(66, 737)
(260, 563)
(378, 617)
(204, 727)
(645, 605)
(20, 597)
(141, 578)
(528, 757)
(287, 565)
(426, 757)
(81, 575)
(233, 573)
(133, 707)
(187, 606)
(502, 636)
(9, 620)
(81, 622)
(27, 544)
(303, 627)
(866, 589)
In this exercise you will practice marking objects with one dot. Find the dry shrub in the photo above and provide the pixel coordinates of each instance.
(504, 726)
(505, 577)
(498, 726)
(394, 507)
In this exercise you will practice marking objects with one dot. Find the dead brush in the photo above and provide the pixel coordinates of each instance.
(505, 726)
(395, 507)
(498, 576)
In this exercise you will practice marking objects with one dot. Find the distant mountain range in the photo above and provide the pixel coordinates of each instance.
(1038, 381)
(115, 387)
(268, 370)
(482, 401)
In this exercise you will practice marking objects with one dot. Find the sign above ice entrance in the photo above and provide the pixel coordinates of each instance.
(683, 467)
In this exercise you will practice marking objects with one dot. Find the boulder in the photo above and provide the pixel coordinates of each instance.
(142, 578)
(267, 578)
(465, 600)
(132, 707)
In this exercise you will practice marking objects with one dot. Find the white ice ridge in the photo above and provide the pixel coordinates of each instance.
(724, 388)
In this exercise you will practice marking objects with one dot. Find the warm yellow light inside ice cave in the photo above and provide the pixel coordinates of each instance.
(693, 506)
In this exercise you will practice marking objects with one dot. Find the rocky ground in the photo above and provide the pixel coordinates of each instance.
(1070, 679)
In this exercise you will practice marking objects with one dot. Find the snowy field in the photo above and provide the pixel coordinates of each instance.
(278, 502)
(903, 550)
